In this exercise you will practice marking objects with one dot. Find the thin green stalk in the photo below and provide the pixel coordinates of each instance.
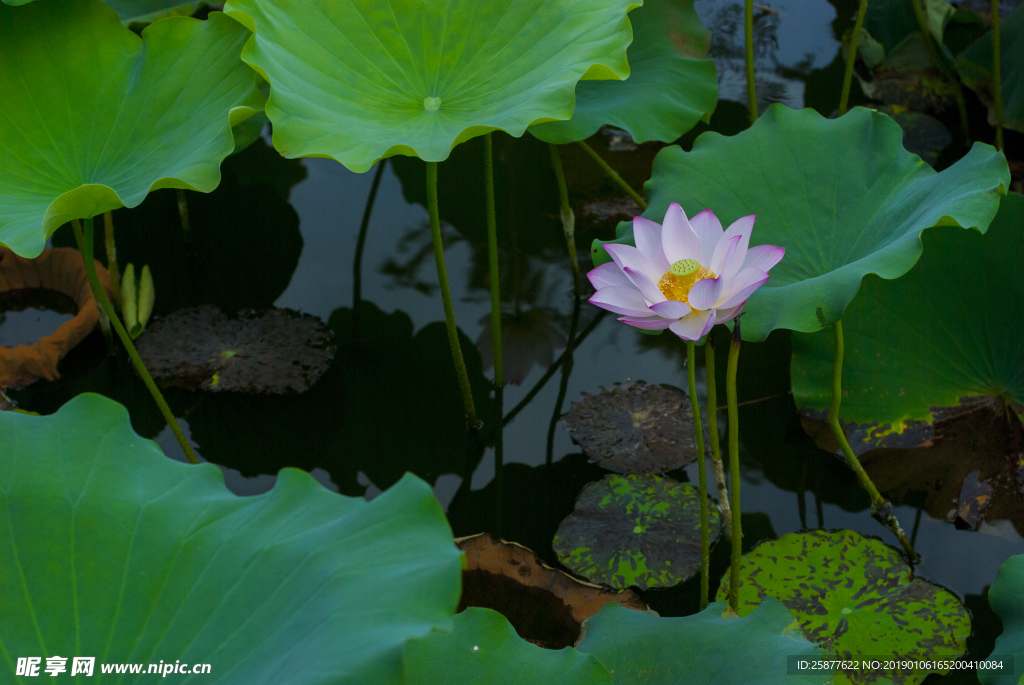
(734, 467)
(446, 296)
(85, 246)
(499, 371)
(566, 213)
(852, 56)
(958, 93)
(748, 34)
(613, 174)
(357, 266)
(997, 80)
(716, 454)
(115, 273)
(183, 214)
(881, 509)
(702, 476)
(499, 465)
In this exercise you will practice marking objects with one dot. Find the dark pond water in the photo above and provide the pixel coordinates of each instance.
(283, 233)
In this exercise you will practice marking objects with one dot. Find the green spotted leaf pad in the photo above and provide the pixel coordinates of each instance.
(856, 593)
(640, 530)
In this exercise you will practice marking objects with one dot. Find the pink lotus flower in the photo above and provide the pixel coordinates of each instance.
(684, 275)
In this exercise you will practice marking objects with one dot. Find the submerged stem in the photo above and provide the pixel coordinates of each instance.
(748, 34)
(997, 83)
(357, 266)
(881, 509)
(85, 246)
(446, 296)
(734, 467)
(613, 174)
(702, 476)
(716, 454)
(851, 57)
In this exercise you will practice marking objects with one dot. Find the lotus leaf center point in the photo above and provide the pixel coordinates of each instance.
(846, 610)
(431, 104)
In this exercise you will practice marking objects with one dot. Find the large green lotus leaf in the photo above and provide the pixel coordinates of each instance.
(952, 327)
(1007, 599)
(857, 592)
(360, 80)
(141, 11)
(705, 648)
(670, 87)
(975, 66)
(114, 551)
(483, 647)
(92, 117)
(841, 195)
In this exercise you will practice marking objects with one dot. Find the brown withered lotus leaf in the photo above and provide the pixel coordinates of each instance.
(637, 429)
(277, 352)
(546, 606)
(58, 277)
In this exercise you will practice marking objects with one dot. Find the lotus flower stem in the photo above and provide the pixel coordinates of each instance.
(702, 476)
(85, 246)
(748, 34)
(997, 82)
(115, 273)
(613, 174)
(566, 213)
(357, 267)
(446, 296)
(499, 372)
(958, 93)
(734, 467)
(881, 509)
(851, 57)
(716, 454)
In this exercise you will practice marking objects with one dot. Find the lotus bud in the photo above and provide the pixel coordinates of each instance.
(147, 296)
(129, 298)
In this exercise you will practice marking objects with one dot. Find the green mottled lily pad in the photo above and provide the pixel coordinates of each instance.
(670, 86)
(857, 593)
(951, 328)
(634, 530)
(366, 79)
(636, 429)
(1007, 599)
(709, 648)
(483, 647)
(841, 195)
(975, 66)
(92, 117)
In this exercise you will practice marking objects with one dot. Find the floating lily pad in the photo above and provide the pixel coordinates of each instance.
(363, 80)
(1007, 599)
(484, 648)
(709, 647)
(952, 327)
(277, 352)
(145, 113)
(841, 195)
(636, 429)
(635, 530)
(857, 593)
(671, 86)
(113, 550)
(975, 66)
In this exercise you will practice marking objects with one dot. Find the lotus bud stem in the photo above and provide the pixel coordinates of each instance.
(129, 298)
(499, 371)
(613, 174)
(716, 455)
(734, 467)
(702, 476)
(851, 56)
(115, 274)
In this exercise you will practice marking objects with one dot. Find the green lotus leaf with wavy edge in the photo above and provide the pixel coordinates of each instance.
(641, 647)
(360, 80)
(857, 592)
(670, 87)
(1006, 596)
(952, 327)
(640, 530)
(140, 11)
(483, 647)
(841, 195)
(112, 550)
(93, 118)
(975, 67)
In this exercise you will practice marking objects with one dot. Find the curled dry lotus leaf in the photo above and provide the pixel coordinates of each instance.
(111, 549)
(951, 328)
(544, 605)
(362, 80)
(635, 530)
(59, 270)
(274, 352)
(1007, 599)
(93, 117)
(671, 86)
(841, 195)
(857, 593)
(636, 429)
(975, 67)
